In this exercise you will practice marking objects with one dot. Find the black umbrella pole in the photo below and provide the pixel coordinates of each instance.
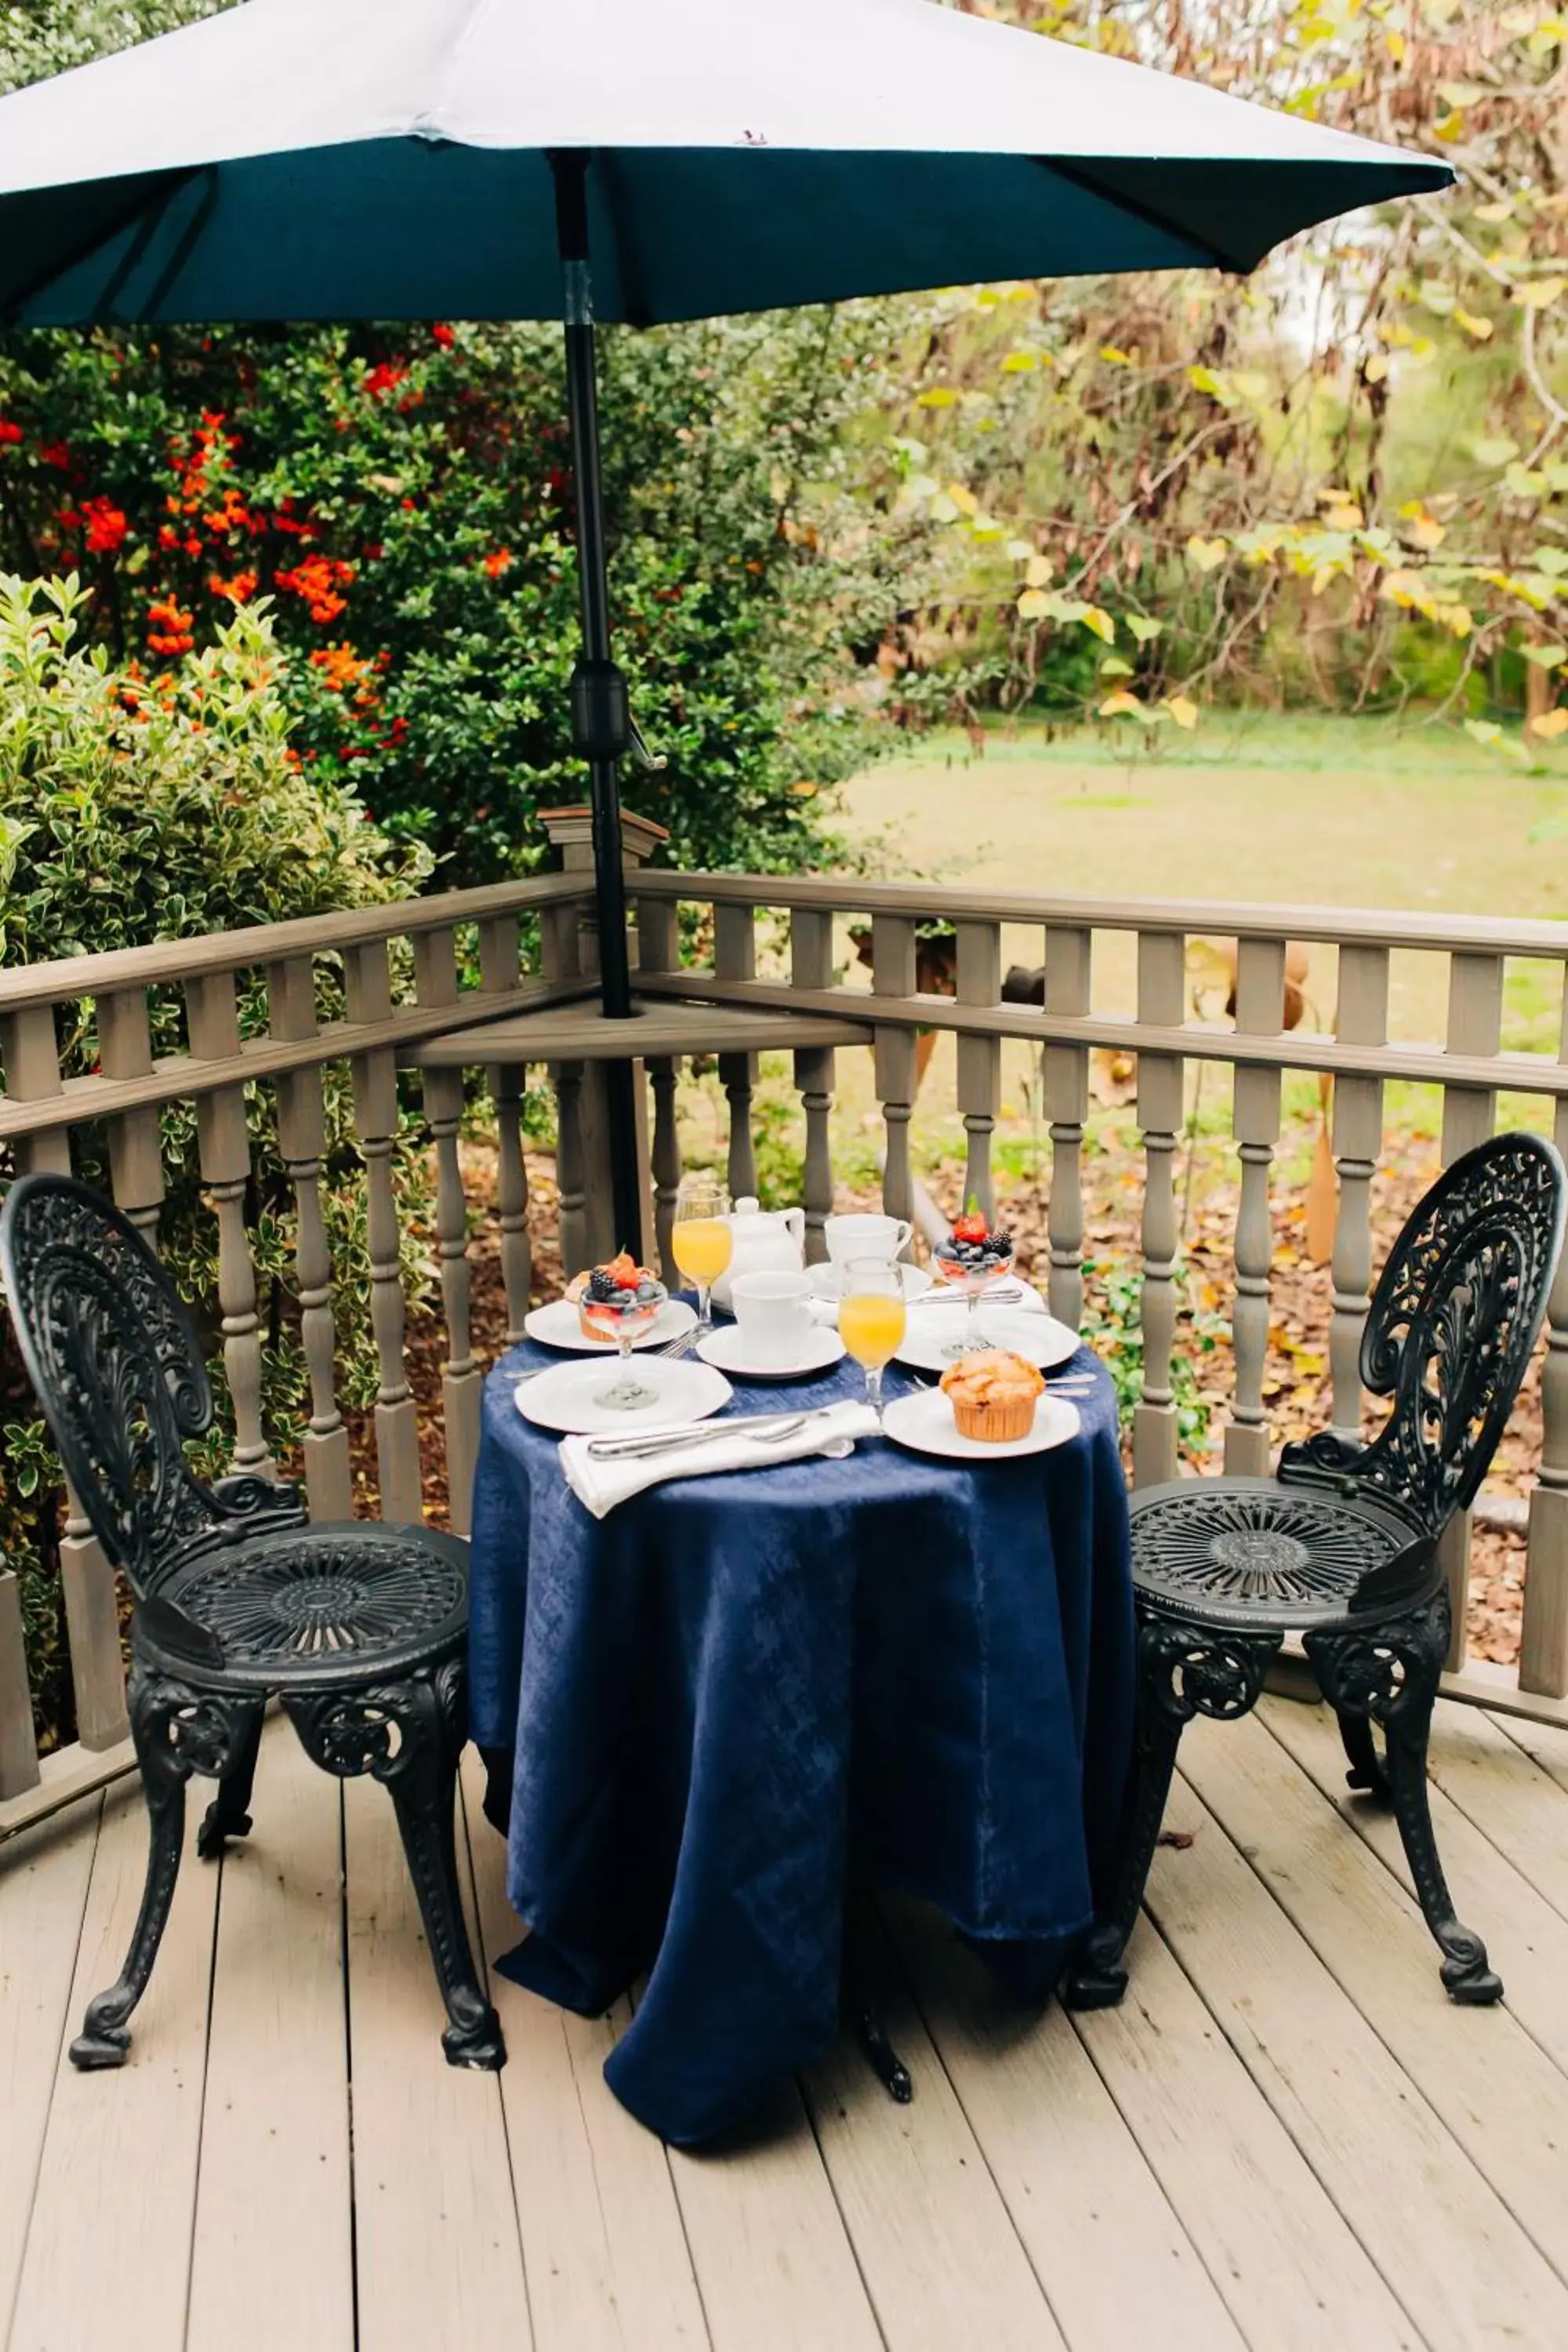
(600, 724)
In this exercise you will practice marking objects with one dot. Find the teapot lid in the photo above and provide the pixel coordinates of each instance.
(748, 1205)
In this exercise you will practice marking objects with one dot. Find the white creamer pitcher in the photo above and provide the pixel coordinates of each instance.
(766, 1240)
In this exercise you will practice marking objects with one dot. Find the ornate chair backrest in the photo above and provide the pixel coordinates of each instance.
(115, 1360)
(1454, 1318)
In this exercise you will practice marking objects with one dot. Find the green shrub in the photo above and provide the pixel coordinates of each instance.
(133, 809)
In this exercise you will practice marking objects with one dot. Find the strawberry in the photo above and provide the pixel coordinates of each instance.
(970, 1227)
(622, 1270)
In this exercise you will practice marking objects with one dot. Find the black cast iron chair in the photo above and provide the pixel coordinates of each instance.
(1341, 1547)
(359, 1629)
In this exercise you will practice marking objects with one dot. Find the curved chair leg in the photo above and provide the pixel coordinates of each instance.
(1366, 1772)
(409, 1735)
(229, 1815)
(1183, 1669)
(1389, 1674)
(177, 1730)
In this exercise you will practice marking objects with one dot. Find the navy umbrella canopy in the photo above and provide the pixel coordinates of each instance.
(339, 159)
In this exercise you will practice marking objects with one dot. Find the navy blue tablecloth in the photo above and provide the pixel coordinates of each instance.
(735, 1692)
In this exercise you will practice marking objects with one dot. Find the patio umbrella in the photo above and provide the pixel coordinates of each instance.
(380, 159)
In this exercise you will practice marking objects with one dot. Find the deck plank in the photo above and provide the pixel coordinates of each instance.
(1546, 1742)
(109, 2252)
(274, 2125)
(1252, 1931)
(1069, 2167)
(439, 2259)
(606, 2258)
(44, 1873)
(1526, 1939)
(1519, 1806)
(1502, 2100)
(1292, 2275)
(936, 2245)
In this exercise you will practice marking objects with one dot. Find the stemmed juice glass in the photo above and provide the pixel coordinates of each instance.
(701, 1240)
(871, 1319)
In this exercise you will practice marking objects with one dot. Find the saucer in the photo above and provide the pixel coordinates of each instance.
(556, 1325)
(567, 1396)
(724, 1348)
(924, 1423)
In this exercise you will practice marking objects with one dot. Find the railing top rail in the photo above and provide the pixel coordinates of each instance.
(176, 959)
(1359, 926)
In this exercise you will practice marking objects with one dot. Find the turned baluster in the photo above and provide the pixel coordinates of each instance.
(1543, 1640)
(302, 1142)
(1162, 1079)
(811, 966)
(893, 1054)
(1259, 1012)
(376, 1120)
(436, 982)
(979, 1059)
(33, 1071)
(571, 1169)
(1068, 950)
(1362, 1020)
(508, 1085)
(735, 958)
(135, 1136)
(223, 1144)
(1469, 1116)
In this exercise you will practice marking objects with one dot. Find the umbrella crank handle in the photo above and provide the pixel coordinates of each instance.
(650, 762)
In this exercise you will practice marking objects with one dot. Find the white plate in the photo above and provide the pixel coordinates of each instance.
(725, 1349)
(567, 1396)
(556, 1325)
(825, 1279)
(1028, 1303)
(933, 1338)
(924, 1423)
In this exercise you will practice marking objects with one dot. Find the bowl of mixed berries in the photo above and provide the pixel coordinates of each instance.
(617, 1302)
(974, 1253)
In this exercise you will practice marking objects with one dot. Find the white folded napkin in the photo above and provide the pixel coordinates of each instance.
(600, 1484)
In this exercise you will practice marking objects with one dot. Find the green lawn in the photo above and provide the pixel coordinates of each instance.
(1300, 810)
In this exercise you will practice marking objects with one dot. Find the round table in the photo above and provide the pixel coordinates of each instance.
(721, 1703)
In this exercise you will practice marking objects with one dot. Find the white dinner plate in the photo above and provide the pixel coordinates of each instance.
(933, 1338)
(567, 1396)
(556, 1325)
(825, 1280)
(1028, 1303)
(924, 1423)
(725, 1347)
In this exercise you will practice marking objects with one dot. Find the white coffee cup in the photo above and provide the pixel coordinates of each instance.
(866, 1236)
(776, 1315)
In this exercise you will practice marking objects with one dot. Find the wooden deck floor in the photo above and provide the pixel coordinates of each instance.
(1286, 2137)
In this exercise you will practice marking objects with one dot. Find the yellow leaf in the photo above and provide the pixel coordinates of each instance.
(964, 500)
(1348, 517)
(1426, 533)
(1375, 368)
(1182, 710)
(939, 397)
(1018, 363)
(1480, 331)
(1097, 618)
(1535, 293)
(1500, 211)
(1204, 379)
(1144, 629)
(1122, 705)
(1203, 554)
(1032, 603)
(1546, 657)
(1396, 45)
(1116, 357)
(1551, 723)
(1040, 570)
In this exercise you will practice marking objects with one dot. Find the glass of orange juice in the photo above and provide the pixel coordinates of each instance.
(701, 1239)
(871, 1319)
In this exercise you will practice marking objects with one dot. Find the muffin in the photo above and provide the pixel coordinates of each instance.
(993, 1395)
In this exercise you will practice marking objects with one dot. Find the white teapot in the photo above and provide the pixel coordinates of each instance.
(766, 1240)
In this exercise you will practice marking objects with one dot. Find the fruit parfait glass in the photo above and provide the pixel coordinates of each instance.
(620, 1301)
(974, 1256)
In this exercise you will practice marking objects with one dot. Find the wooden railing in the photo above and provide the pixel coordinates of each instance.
(123, 1100)
(396, 969)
